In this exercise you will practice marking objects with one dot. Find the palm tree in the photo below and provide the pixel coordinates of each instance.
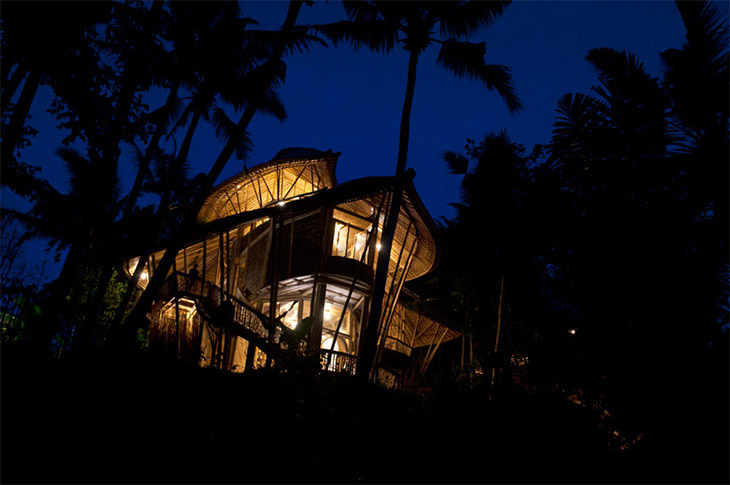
(38, 48)
(496, 219)
(77, 220)
(380, 25)
(642, 168)
(267, 77)
(215, 58)
(188, 26)
(696, 78)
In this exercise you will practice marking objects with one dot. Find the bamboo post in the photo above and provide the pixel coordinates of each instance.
(385, 200)
(463, 345)
(349, 295)
(320, 289)
(273, 294)
(394, 301)
(228, 262)
(205, 260)
(221, 269)
(177, 310)
(432, 351)
(496, 339)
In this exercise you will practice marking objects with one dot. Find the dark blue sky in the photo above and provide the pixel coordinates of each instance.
(351, 101)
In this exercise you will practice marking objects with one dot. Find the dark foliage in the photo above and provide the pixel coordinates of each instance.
(141, 421)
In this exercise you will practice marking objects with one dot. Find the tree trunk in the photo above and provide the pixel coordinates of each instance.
(370, 341)
(147, 159)
(108, 270)
(182, 155)
(137, 317)
(9, 88)
(59, 288)
(14, 132)
(110, 152)
(496, 340)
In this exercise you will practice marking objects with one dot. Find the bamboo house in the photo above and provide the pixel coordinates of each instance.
(283, 260)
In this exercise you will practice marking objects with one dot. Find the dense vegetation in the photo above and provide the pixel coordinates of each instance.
(589, 275)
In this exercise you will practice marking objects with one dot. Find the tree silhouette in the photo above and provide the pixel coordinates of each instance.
(266, 75)
(78, 220)
(38, 49)
(380, 26)
(644, 267)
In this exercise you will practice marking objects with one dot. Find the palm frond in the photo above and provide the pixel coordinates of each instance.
(300, 40)
(575, 110)
(77, 166)
(697, 74)
(272, 105)
(376, 35)
(361, 10)
(466, 59)
(463, 18)
(578, 117)
(36, 227)
(458, 164)
(623, 75)
(165, 113)
(182, 120)
(706, 26)
(227, 129)
(90, 179)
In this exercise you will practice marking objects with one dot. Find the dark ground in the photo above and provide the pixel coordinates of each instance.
(151, 422)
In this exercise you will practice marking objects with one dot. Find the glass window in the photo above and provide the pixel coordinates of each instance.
(351, 235)
(327, 344)
(294, 314)
(331, 318)
(340, 240)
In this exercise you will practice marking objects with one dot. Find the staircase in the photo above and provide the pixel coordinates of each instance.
(246, 321)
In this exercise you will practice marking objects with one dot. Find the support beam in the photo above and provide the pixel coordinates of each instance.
(274, 287)
(432, 351)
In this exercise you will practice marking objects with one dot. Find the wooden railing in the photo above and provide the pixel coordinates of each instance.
(211, 296)
(334, 361)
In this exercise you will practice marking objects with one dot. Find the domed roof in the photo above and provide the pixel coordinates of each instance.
(300, 152)
(291, 173)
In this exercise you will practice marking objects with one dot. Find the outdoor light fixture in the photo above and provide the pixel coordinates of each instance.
(571, 331)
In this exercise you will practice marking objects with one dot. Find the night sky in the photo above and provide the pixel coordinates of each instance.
(351, 101)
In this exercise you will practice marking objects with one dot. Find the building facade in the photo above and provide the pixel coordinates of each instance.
(283, 260)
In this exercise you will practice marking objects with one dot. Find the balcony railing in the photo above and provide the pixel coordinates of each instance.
(334, 361)
(211, 296)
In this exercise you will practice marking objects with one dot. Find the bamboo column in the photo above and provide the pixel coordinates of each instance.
(496, 339)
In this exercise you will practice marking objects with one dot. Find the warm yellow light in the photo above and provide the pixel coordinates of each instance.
(281, 203)
(571, 331)
(377, 246)
(327, 344)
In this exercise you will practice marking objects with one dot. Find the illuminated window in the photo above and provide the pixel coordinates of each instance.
(332, 314)
(294, 314)
(327, 344)
(351, 235)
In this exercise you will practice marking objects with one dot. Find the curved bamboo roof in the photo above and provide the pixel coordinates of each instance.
(293, 172)
(420, 328)
(304, 174)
